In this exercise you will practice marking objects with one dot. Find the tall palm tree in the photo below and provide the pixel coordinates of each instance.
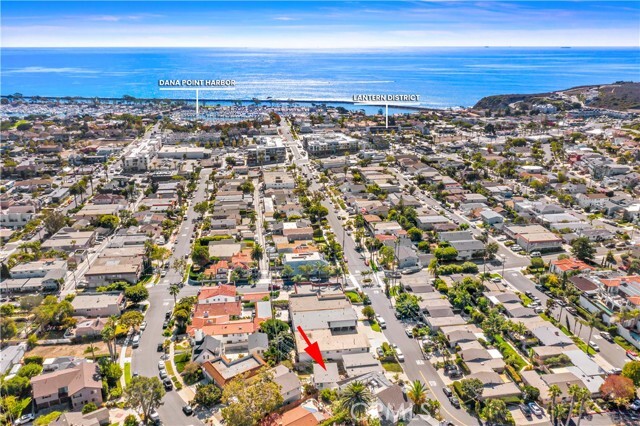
(591, 321)
(574, 390)
(174, 290)
(356, 399)
(554, 393)
(583, 396)
(418, 394)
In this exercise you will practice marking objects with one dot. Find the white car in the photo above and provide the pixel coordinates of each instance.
(635, 405)
(143, 325)
(25, 419)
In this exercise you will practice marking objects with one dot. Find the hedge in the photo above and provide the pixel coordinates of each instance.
(35, 359)
(514, 374)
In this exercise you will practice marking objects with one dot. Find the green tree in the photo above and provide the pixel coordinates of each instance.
(144, 394)
(207, 395)
(531, 393)
(13, 407)
(7, 310)
(554, 393)
(491, 249)
(130, 420)
(136, 293)
(407, 305)
(201, 207)
(54, 221)
(174, 290)
(414, 234)
(356, 399)
(537, 263)
(30, 370)
(495, 412)
(249, 402)
(200, 255)
(257, 252)
(369, 313)
(111, 371)
(131, 319)
(8, 328)
(445, 253)
(108, 221)
(88, 408)
(471, 389)
(631, 370)
(583, 249)
(418, 395)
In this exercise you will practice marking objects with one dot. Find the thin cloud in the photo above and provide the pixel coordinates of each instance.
(285, 18)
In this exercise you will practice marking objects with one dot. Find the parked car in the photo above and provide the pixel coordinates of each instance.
(594, 346)
(161, 365)
(154, 416)
(454, 401)
(160, 347)
(163, 374)
(409, 332)
(399, 355)
(24, 419)
(381, 322)
(165, 324)
(535, 409)
(136, 341)
(143, 325)
(447, 391)
(572, 310)
(379, 351)
(631, 354)
(525, 410)
(187, 410)
(635, 405)
(496, 279)
(606, 336)
(168, 384)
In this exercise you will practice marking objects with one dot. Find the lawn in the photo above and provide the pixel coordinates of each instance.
(622, 342)
(375, 326)
(392, 367)
(526, 300)
(507, 351)
(180, 360)
(169, 368)
(127, 372)
(353, 297)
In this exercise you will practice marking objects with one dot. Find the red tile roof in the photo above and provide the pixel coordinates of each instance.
(221, 290)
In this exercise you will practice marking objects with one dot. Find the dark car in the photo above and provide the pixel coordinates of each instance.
(168, 384)
(160, 347)
(165, 324)
(454, 401)
(447, 391)
(525, 410)
(187, 410)
(167, 315)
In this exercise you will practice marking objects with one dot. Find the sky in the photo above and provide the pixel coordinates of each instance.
(319, 25)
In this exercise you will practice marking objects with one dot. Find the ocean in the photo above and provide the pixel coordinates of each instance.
(442, 77)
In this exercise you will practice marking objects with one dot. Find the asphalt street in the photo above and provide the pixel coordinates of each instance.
(145, 358)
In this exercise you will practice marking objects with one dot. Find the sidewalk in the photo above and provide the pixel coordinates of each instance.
(186, 393)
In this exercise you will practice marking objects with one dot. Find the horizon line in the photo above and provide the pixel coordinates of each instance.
(325, 48)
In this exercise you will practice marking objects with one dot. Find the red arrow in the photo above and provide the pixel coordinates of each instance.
(313, 350)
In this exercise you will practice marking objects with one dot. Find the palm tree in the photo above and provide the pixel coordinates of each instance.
(583, 396)
(591, 321)
(356, 399)
(174, 290)
(418, 394)
(551, 305)
(574, 390)
(554, 393)
(109, 336)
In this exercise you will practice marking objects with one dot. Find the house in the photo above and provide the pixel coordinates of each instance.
(106, 270)
(218, 294)
(468, 249)
(326, 379)
(102, 305)
(394, 404)
(74, 387)
(99, 417)
(10, 356)
(562, 266)
(208, 349)
(494, 386)
(491, 218)
(540, 241)
(69, 240)
(17, 216)
(480, 359)
(222, 370)
(91, 327)
(38, 269)
(290, 386)
(297, 260)
(361, 363)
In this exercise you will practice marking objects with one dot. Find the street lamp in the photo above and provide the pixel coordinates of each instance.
(504, 260)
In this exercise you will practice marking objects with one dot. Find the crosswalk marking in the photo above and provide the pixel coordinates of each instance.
(432, 384)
